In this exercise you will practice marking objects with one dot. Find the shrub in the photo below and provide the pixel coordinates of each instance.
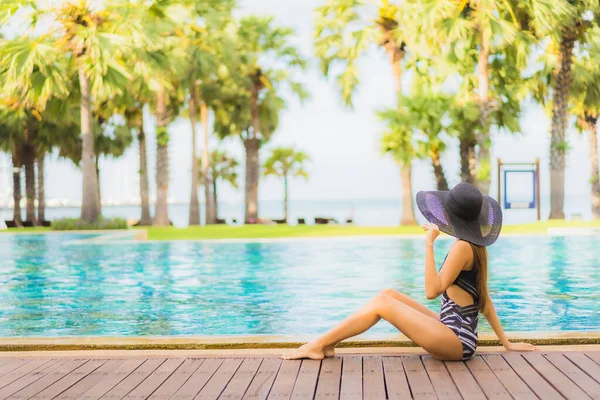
(72, 224)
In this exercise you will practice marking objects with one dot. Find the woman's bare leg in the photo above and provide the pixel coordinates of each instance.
(330, 350)
(435, 337)
(411, 303)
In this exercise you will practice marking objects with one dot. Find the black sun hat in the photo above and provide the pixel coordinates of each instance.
(463, 212)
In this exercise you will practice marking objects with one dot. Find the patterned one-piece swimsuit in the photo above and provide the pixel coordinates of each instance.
(463, 320)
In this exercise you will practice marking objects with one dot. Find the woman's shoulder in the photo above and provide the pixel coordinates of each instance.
(465, 251)
(461, 245)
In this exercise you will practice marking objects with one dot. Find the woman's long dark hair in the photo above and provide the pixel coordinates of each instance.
(480, 261)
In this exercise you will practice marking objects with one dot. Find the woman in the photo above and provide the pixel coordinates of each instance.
(475, 220)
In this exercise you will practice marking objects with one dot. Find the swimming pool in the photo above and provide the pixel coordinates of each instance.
(56, 285)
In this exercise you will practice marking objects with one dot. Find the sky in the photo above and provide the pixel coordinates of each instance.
(343, 144)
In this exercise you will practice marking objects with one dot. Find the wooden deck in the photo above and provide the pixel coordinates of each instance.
(544, 375)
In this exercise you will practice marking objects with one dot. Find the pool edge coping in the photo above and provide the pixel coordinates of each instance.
(266, 342)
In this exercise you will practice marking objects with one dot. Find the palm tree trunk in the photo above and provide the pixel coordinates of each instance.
(210, 206)
(161, 217)
(483, 173)
(41, 190)
(285, 198)
(146, 218)
(591, 127)
(252, 146)
(395, 57)
(467, 160)
(16, 187)
(438, 171)
(194, 204)
(90, 206)
(215, 200)
(252, 176)
(408, 211)
(558, 144)
(29, 160)
(99, 194)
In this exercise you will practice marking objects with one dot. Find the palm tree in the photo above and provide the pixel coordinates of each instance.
(286, 163)
(10, 137)
(209, 53)
(570, 31)
(344, 30)
(585, 96)
(268, 65)
(581, 101)
(397, 141)
(223, 167)
(93, 41)
(32, 75)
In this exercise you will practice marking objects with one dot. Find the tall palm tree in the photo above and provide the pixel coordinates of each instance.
(223, 167)
(209, 48)
(570, 31)
(286, 163)
(344, 30)
(398, 141)
(585, 98)
(10, 139)
(93, 41)
(269, 64)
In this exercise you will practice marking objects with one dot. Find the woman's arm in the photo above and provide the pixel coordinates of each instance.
(458, 257)
(492, 318)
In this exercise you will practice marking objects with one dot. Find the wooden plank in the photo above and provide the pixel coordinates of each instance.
(328, 385)
(373, 383)
(48, 379)
(89, 381)
(25, 369)
(489, 383)
(10, 364)
(440, 379)
(29, 378)
(285, 380)
(306, 382)
(155, 379)
(586, 364)
(215, 386)
(69, 380)
(132, 380)
(352, 387)
(531, 377)
(395, 379)
(511, 381)
(466, 384)
(594, 355)
(552, 374)
(177, 379)
(418, 381)
(581, 379)
(263, 380)
(198, 379)
(238, 385)
(112, 379)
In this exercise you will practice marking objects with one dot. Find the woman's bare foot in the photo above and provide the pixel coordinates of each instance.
(309, 350)
(329, 351)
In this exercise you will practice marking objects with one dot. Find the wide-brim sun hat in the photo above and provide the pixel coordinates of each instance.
(463, 212)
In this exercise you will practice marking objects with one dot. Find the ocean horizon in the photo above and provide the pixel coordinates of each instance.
(364, 212)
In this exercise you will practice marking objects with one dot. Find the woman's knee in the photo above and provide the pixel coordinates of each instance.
(381, 300)
(389, 292)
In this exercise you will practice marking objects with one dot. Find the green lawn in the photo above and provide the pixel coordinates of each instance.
(283, 231)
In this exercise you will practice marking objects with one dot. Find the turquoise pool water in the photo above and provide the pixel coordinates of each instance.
(49, 287)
